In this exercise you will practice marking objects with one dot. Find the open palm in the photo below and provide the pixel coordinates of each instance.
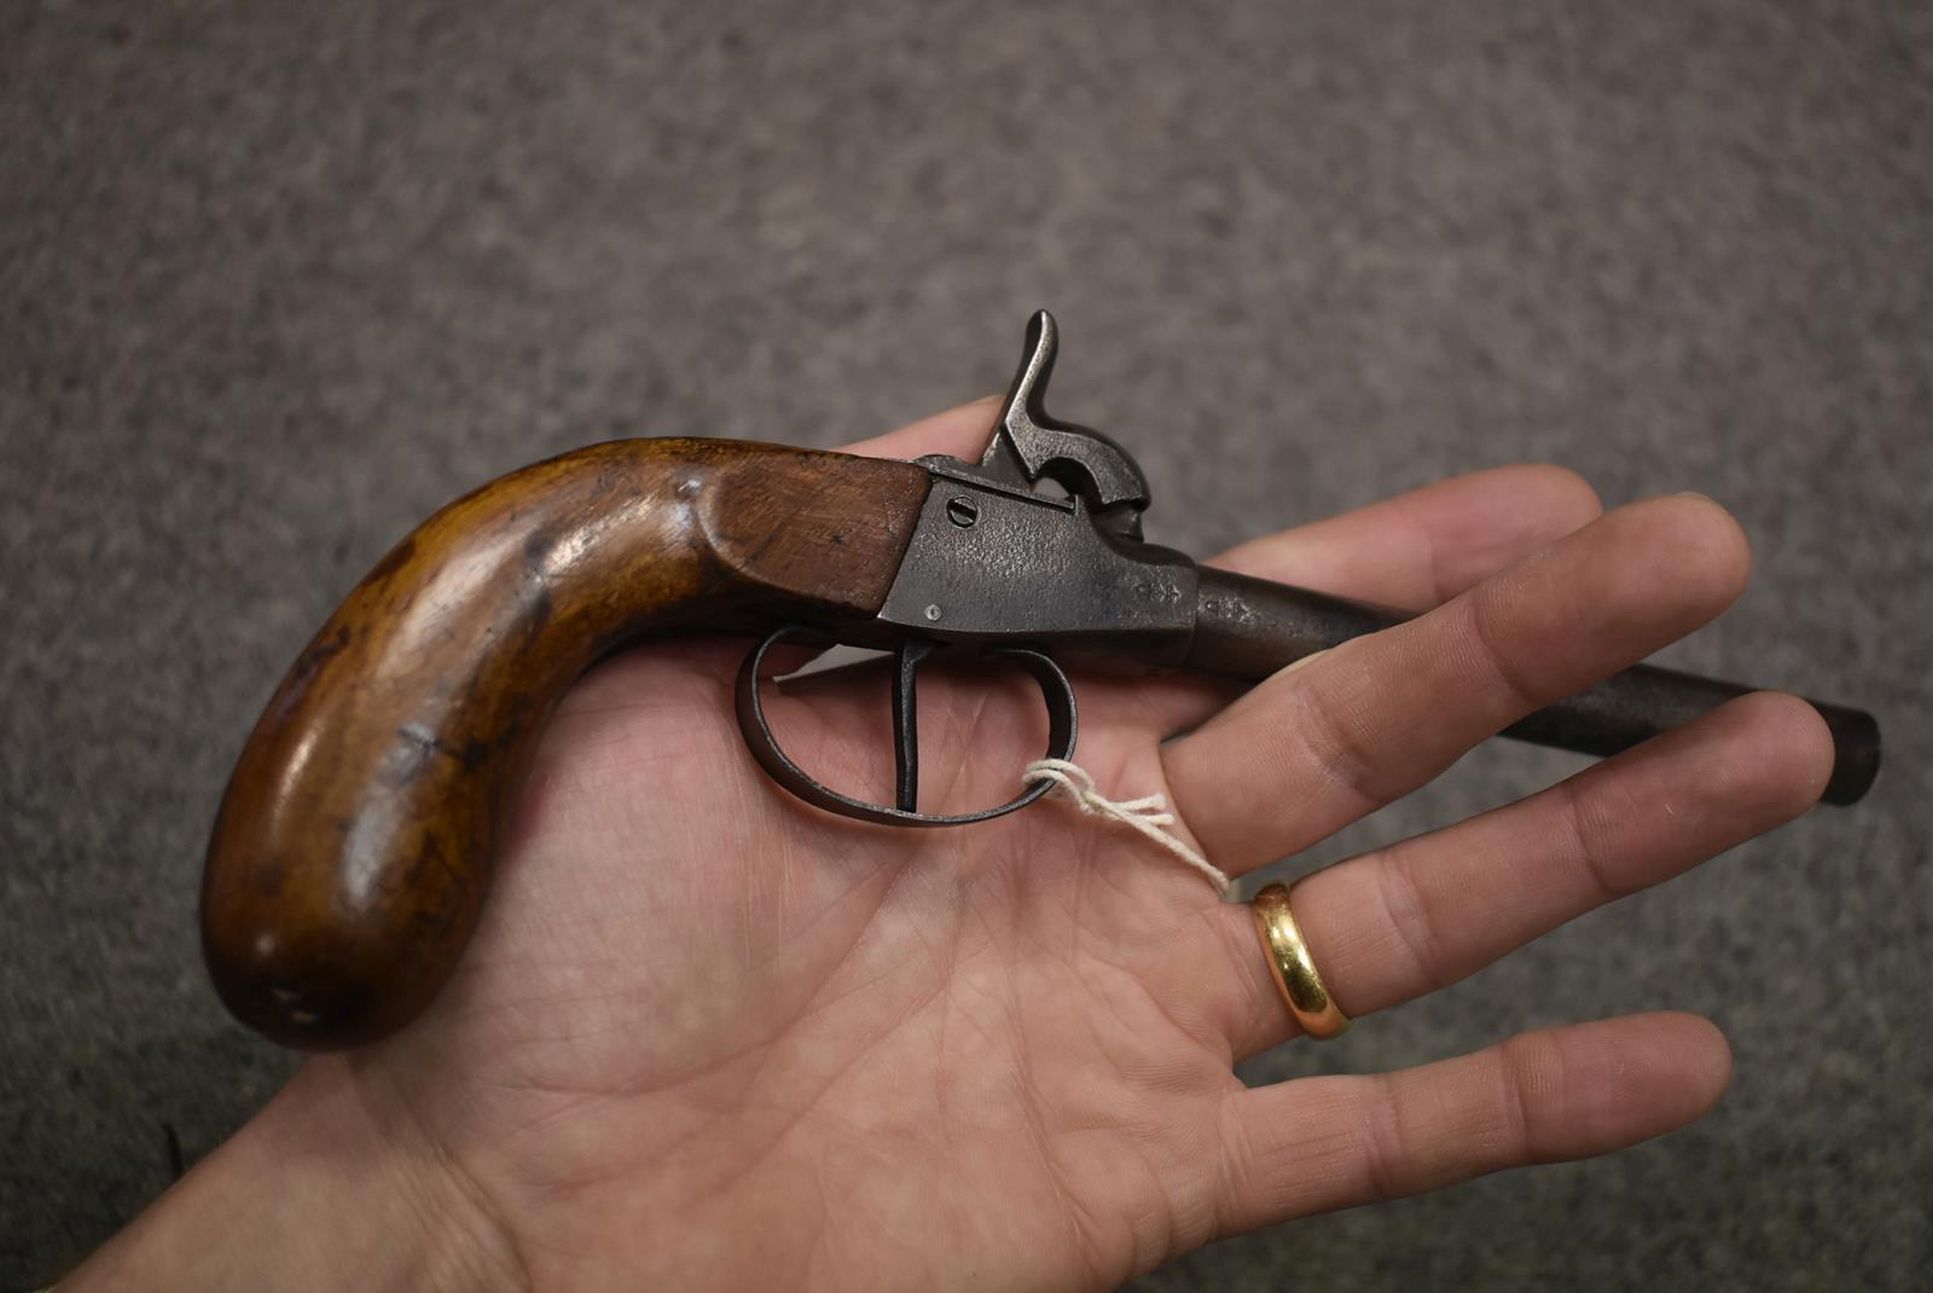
(707, 1036)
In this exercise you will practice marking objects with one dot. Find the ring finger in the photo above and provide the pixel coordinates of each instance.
(1419, 915)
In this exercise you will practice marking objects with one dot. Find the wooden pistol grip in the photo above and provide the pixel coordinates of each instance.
(354, 845)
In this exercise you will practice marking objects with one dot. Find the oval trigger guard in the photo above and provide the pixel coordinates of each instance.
(1055, 690)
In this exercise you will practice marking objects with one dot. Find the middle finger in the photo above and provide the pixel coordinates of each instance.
(1312, 749)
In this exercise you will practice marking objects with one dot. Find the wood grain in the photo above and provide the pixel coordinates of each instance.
(353, 848)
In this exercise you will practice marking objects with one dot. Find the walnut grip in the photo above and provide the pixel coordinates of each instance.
(353, 847)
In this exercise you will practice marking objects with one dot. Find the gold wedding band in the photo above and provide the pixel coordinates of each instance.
(1293, 969)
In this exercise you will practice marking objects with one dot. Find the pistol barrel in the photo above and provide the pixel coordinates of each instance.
(1247, 628)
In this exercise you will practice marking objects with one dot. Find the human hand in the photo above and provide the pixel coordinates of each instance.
(708, 1037)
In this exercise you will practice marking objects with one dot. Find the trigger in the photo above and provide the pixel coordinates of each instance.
(1055, 690)
(906, 723)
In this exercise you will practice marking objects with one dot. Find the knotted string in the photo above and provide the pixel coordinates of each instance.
(1149, 814)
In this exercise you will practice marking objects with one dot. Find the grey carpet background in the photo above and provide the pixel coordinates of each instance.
(276, 281)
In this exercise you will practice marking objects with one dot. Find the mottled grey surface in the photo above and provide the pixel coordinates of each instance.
(277, 280)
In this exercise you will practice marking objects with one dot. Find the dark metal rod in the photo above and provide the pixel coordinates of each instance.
(906, 724)
(1248, 628)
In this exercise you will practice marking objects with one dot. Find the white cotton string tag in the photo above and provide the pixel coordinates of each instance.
(1149, 815)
